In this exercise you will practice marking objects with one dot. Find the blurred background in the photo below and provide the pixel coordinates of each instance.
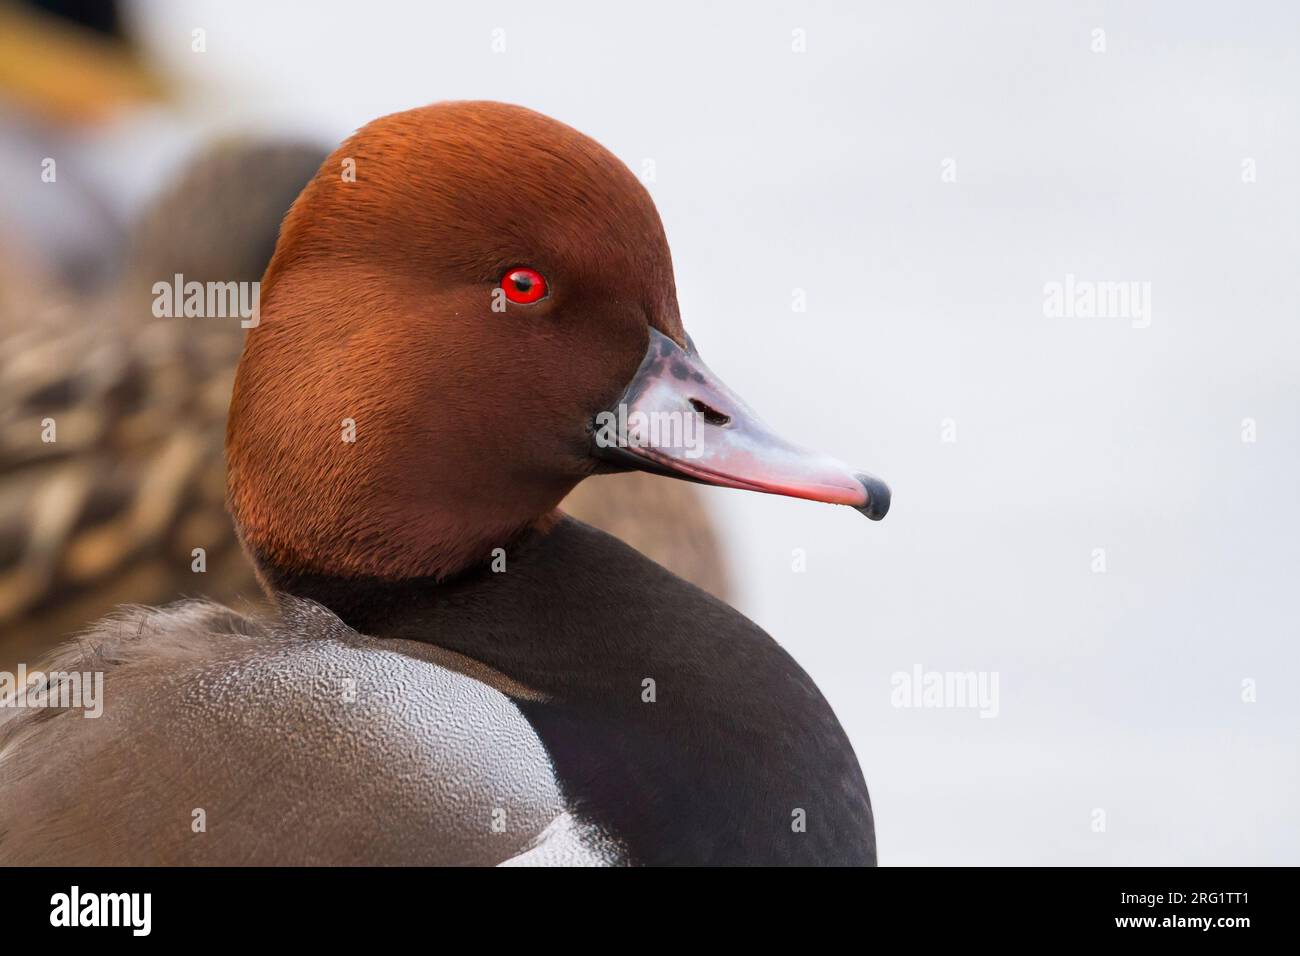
(865, 205)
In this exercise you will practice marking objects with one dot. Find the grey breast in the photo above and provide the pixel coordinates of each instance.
(226, 740)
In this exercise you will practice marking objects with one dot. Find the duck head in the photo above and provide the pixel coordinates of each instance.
(470, 309)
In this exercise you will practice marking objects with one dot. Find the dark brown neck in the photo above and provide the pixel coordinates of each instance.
(375, 604)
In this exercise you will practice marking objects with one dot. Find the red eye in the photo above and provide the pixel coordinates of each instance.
(524, 285)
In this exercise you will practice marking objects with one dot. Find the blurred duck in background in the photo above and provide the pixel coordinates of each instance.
(112, 421)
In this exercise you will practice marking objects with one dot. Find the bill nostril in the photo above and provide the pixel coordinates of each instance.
(711, 415)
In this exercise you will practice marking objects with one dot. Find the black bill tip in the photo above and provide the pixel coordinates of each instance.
(877, 505)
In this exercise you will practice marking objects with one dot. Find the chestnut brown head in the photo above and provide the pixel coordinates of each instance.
(454, 300)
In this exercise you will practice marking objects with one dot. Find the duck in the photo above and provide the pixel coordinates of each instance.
(113, 510)
(455, 672)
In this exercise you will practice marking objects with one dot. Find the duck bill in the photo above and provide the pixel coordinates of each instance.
(677, 418)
